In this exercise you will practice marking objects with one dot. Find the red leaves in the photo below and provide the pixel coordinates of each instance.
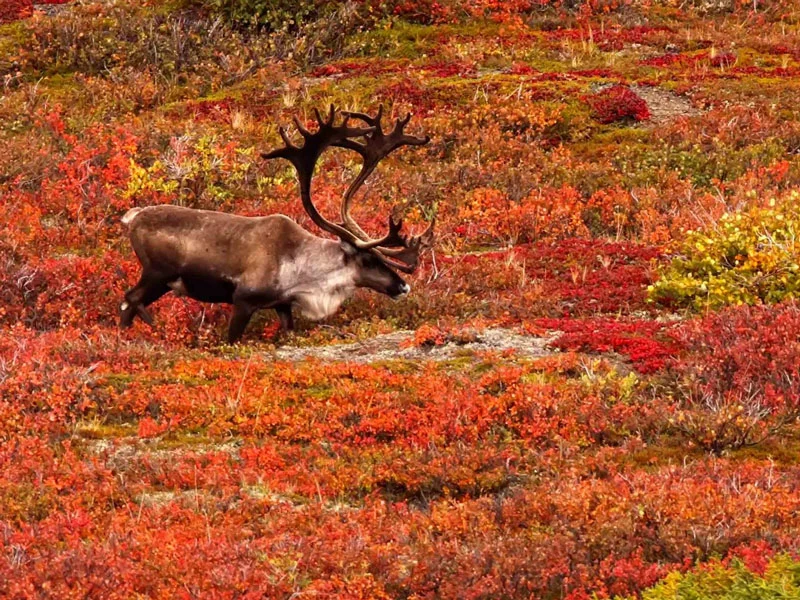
(11, 10)
(364, 480)
(741, 376)
(160, 464)
(618, 103)
(643, 342)
(723, 59)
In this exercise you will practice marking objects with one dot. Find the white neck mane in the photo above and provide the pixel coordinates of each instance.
(317, 280)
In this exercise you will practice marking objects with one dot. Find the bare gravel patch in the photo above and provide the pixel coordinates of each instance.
(665, 105)
(394, 346)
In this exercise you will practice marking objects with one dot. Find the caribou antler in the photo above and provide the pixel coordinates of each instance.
(377, 146)
(393, 248)
(305, 159)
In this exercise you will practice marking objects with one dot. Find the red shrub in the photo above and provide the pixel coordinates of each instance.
(11, 10)
(422, 11)
(755, 555)
(638, 340)
(450, 68)
(618, 103)
(665, 60)
(724, 59)
(741, 376)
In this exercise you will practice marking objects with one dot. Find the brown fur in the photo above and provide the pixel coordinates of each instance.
(250, 262)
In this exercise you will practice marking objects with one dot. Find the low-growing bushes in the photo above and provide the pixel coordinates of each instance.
(734, 581)
(11, 10)
(273, 15)
(741, 377)
(745, 258)
(618, 103)
(469, 461)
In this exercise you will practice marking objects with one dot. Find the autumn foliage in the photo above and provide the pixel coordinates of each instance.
(618, 103)
(11, 10)
(591, 392)
(741, 376)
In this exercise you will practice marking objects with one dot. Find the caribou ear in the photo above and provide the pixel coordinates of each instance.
(348, 248)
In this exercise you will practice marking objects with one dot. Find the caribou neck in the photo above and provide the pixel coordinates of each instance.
(317, 278)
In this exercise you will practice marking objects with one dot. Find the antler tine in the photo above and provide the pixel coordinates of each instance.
(376, 147)
(305, 158)
(379, 116)
(285, 138)
(301, 128)
(368, 119)
(410, 253)
(392, 238)
(329, 121)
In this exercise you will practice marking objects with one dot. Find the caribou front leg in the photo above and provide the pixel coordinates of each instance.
(285, 315)
(242, 312)
(145, 292)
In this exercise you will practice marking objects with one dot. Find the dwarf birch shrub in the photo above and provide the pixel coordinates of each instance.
(733, 582)
(740, 379)
(745, 258)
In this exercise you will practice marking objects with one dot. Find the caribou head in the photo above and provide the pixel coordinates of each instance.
(376, 259)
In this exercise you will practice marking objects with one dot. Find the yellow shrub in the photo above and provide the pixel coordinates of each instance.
(746, 258)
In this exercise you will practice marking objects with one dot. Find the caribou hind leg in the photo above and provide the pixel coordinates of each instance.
(148, 290)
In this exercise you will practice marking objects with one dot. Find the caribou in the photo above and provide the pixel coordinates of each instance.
(272, 262)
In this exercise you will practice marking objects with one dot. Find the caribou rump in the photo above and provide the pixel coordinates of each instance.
(272, 262)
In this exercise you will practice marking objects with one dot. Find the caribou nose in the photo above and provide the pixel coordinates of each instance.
(404, 289)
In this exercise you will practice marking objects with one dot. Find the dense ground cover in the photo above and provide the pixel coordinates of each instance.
(620, 179)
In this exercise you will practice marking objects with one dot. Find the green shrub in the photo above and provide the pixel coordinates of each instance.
(273, 15)
(745, 258)
(781, 580)
(695, 162)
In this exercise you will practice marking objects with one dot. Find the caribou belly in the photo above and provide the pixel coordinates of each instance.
(204, 289)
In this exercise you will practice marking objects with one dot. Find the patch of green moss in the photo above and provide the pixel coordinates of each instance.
(194, 381)
(352, 91)
(13, 37)
(574, 124)
(62, 88)
(96, 430)
(667, 451)
(536, 378)
(409, 40)
(622, 135)
(397, 366)
(483, 367)
(118, 381)
(464, 362)
(608, 139)
(187, 438)
(59, 83)
(319, 391)
(403, 40)
(783, 450)
(236, 351)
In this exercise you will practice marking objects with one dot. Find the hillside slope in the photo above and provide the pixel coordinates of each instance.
(529, 422)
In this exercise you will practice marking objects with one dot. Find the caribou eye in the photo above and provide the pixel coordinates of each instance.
(369, 261)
